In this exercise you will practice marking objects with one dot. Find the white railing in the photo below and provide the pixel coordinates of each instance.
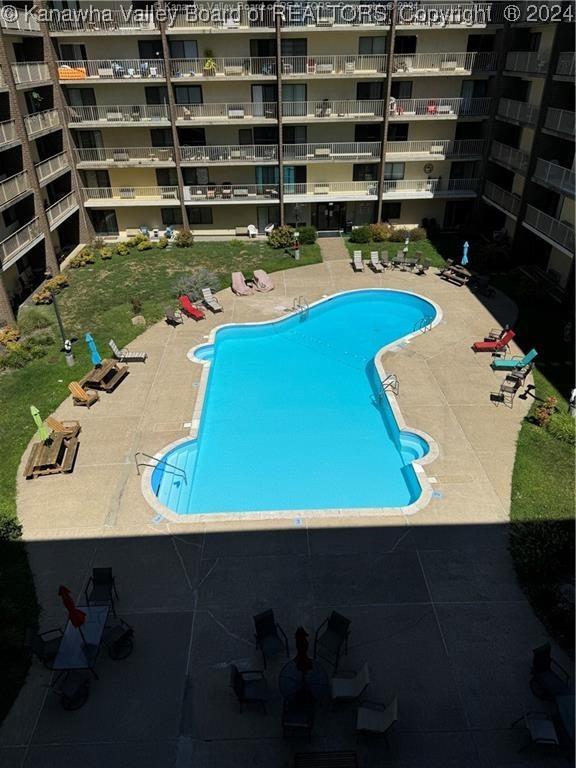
(238, 66)
(18, 19)
(346, 151)
(509, 156)
(14, 186)
(55, 212)
(113, 113)
(518, 110)
(445, 62)
(126, 155)
(229, 111)
(19, 239)
(230, 192)
(349, 64)
(47, 168)
(41, 121)
(565, 64)
(554, 174)
(111, 69)
(241, 153)
(524, 61)
(557, 231)
(7, 132)
(102, 20)
(560, 120)
(30, 72)
(131, 193)
(507, 200)
(437, 148)
(438, 107)
(332, 108)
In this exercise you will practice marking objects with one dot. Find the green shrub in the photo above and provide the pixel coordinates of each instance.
(86, 256)
(360, 235)
(9, 335)
(122, 249)
(55, 285)
(543, 413)
(32, 319)
(379, 233)
(281, 237)
(20, 354)
(308, 235)
(398, 234)
(97, 243)
(184, 239)
(163, 242)
(562, 427)
(418, 233)
(105, 253)
(191, 285)
(144, 245)
(10, 528)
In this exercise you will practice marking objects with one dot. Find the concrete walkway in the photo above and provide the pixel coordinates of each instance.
(433, 600)
(333, 249)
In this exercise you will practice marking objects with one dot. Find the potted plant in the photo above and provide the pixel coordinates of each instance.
(209, 66)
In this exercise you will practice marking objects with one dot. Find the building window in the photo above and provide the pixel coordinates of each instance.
(398, 132)
(171, 216)
(393, 171)
(372, 46)
(104, 222)
(183, 49)
(199, 214)
(405, 44)
(391, 211)
(188, 94)
(373, 91)
(402, 89)
(365, 172)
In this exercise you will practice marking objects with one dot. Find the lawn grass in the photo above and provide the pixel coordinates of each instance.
(98, 300)
(425, 247)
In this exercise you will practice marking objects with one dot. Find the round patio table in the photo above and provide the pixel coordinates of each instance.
(316, 681)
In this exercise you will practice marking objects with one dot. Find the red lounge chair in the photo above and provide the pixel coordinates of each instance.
(494, 346)
(189, 309)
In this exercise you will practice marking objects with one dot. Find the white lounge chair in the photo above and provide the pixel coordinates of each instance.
(126, 355)
(268, 229)
(262, 281)
(252, 230)
(375, 262)
(239, 285)
(374, 717)
(352, 687)
(211, 301)
(357, 262)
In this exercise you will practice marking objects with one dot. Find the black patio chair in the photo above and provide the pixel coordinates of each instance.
(270, 637)
(250, 686)
(74, 690)
(549, 678)
(102, 586)
(119, 639)
(298, 714)
(328, 645)
(43, 645)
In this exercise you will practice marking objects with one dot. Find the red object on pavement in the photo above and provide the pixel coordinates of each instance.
(189, 309)
(76, 616)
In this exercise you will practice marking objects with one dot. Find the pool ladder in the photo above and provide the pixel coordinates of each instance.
(301, 306)
(390, 384)
(424, 325)
(158, 461)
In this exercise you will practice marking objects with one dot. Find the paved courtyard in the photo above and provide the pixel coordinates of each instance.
(434, 605)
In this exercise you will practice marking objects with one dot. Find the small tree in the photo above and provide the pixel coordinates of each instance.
(184, 239)
(191, 285)
(281, 237)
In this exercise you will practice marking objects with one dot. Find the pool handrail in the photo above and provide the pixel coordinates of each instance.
(158, 461)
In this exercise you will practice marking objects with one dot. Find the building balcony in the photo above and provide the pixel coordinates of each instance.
(111, 70)
(40, 123)
(435, 149)
(119, 115)
(103, 197)
(560, 121)
(226, 113)
(550, 229)
(240, 154)
(48, 170)
(13, 188)
(30, 73)
(461, 64)
(505, 201)
(18, 243)
(7, 133)
(512, 158)
(438, 108)
(61, 210)
(232, 68)
(518, 112)
(565, 67)
(19, 22)
(527, 62)
(555, 176)
(123, 20)
(125, 157)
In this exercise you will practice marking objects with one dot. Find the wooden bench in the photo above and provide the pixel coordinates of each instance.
(326, 760)
(52, 458)
(106, 377)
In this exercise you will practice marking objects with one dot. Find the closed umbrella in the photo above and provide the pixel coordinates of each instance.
(94, 354)
(464, 260)
(76, 616)
(43, 431)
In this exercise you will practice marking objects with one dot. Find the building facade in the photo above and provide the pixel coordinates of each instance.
(219, 115)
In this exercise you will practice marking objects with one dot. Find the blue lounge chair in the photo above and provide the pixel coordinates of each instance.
(514, 363)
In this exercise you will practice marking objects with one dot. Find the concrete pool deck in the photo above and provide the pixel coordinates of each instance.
(434, 604)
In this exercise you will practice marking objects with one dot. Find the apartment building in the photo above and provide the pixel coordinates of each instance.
(219, 115)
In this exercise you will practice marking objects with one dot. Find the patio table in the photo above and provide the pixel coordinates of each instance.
(80, 651)
(291, 680)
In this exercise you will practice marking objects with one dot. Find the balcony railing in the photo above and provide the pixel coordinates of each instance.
(112, 113)
(333, 65)
(131, 193)
(504, 199)
(524, 61)
(513, 158)
(103, 20)
(560, 233)
(13, 187)
(345, 151)
(41, 121)
(19, 20)
(57, 212)
(565, 66)
(556, 176)
(48, 168)
(111, 69)
(519, 111)
(10, 246)
(438, 108)
(436, 148)
(126, 155)
(30, 72)
(233, 67)
(459, 63)
(241, 153)
(232, 111)
(560, 120)
(7, 132)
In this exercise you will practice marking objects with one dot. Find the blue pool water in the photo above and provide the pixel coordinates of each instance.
(293, 417)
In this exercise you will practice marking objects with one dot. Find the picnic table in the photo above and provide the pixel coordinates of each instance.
(53, 457)
(457, 274)
(105, 377)
(79, 648)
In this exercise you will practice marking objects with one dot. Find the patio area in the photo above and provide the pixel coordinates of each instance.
(433, 601)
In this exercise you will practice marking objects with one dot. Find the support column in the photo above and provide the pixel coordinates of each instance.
(386, 116)
(6, 313)
(27, 159)
(278, 21)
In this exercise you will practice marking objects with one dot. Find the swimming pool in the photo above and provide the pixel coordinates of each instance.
(294, 417)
